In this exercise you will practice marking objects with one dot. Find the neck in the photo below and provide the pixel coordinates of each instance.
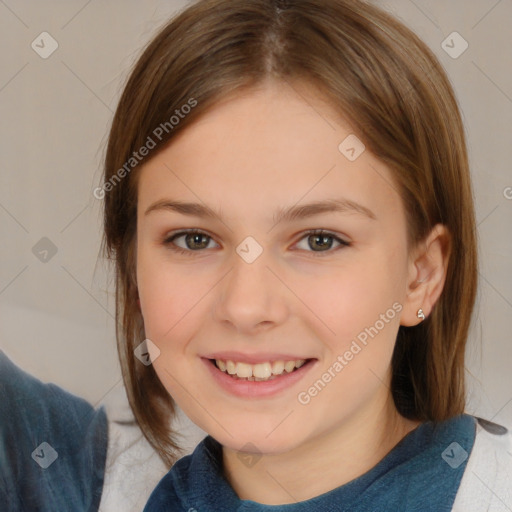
(339, 456)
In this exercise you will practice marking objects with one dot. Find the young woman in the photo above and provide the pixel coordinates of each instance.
(289, 208)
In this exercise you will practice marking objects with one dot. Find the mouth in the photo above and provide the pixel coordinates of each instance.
(260, 372)
(257, 376)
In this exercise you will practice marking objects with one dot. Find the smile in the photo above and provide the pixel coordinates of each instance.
(258, 378)
(267, 370)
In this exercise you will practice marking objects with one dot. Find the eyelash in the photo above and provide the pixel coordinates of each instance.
(168, 241)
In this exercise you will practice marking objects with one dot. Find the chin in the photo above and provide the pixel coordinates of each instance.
(255, 439)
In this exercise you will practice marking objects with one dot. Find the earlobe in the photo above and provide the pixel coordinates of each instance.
(427, 275)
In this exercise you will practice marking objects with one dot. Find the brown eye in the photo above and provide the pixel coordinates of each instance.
(196, 241)
(193, 241)
(319, 241)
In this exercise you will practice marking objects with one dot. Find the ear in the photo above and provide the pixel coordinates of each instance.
(428, 262)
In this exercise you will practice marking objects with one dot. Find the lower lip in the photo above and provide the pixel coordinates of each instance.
(257, 389)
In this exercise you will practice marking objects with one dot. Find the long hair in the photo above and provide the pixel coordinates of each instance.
(374, 72)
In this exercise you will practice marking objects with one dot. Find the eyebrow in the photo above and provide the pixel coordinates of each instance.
(290, 214)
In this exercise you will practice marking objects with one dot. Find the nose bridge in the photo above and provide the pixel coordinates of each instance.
(250, 274)
(250, 294)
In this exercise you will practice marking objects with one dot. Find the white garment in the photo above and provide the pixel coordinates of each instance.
(133, 468)
(486, 485)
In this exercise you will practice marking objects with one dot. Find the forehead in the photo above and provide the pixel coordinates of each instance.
(275, 145)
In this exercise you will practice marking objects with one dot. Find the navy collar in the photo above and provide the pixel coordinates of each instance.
(421, 473)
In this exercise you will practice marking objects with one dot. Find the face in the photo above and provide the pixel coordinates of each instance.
(274, 301)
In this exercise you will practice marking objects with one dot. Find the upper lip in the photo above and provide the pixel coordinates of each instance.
(261, 357)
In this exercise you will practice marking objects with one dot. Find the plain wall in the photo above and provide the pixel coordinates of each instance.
(56, 317)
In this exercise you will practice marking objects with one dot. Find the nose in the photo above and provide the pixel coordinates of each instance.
(251, 297)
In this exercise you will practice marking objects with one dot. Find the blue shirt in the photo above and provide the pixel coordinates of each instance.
(421, 474)
(53, 446)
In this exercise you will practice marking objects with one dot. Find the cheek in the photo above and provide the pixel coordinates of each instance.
(164, 296)
(170, 303)
(350, 298)
(174, 299)
(365, 315)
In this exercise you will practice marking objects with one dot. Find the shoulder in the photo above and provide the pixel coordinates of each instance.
(53, 444)
(486, 483)
(133, 467)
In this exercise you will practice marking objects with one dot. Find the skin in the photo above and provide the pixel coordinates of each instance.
(248, 157)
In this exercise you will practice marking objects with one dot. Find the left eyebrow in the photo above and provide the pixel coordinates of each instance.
(319, 207)
(290, 214)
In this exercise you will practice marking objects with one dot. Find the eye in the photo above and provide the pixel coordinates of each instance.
(318, 241)
(321, 241)
(194, 241)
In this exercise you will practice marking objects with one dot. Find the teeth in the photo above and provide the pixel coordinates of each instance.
(231, 367)
(277, 367)
(243, 369)
(289, 366)
(262, 370)
(258, 372)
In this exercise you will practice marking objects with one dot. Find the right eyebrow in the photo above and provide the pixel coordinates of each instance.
(195, 209)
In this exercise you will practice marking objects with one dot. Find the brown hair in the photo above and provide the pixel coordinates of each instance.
(380, 77)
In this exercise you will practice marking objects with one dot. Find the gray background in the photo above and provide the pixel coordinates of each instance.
(56, 316)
